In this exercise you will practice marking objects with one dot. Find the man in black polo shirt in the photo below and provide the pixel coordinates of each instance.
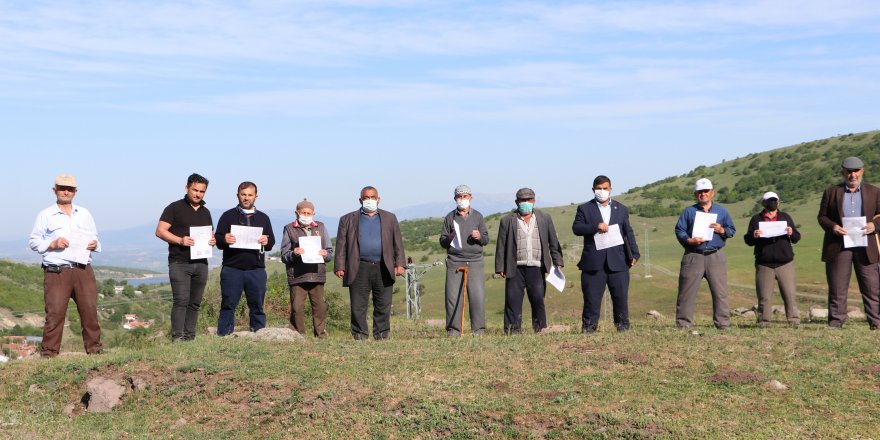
(188, 276)
(243, 269)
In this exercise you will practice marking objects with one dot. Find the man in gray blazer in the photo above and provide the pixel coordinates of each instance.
(527, 249)
(852, 198)
(369, 254)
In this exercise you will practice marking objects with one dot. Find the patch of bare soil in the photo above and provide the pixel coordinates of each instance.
(631, 358)
(870, 370)
(732, 376)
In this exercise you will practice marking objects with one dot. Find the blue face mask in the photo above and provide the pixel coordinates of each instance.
(525, 208)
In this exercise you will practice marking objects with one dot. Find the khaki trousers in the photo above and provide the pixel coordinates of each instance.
(764, 279)
(315, 293)
(695, 267)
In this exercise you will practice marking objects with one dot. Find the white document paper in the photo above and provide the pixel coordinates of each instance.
(312, 247)
(608, 239)
(201, 249)
(855, 232)
(556, 278)
(77, 251)
(246, 237)
(701, 225)
(456, 242)
(772, 229)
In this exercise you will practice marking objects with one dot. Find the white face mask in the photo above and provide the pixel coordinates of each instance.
(370, 205)
(463, 204)
(303, 220)
(602, 195)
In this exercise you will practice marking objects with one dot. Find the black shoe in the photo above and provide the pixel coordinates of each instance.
(622, 328)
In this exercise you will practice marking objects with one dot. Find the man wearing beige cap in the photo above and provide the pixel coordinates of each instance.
(857, 202)
(526, 251)
(703, 257)
(464, 234)
(65, 236)
(774, 259)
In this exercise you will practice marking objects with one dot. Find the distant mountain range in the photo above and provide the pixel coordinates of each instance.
(138, 247)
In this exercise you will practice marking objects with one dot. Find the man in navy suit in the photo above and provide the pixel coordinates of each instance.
(608, 266)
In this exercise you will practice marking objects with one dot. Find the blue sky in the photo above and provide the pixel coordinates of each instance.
(317, 99)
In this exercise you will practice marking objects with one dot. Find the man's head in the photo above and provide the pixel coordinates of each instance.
(853, 169)
(305, 210)
(369, 199)
(771, 201)
(196, 186)
(525, 201)
(704, 191)
(602, 188)
(64, 189)
(462, 196)
(247, 195)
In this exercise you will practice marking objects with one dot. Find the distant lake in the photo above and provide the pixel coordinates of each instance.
(151, 280)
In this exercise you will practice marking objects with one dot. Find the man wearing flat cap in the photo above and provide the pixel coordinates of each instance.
(65, 236)
(858, 202)
(703, 257)
(526, 251)
(774, 259)
(464, 235)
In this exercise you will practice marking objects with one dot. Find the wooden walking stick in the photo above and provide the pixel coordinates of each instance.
(463, 269)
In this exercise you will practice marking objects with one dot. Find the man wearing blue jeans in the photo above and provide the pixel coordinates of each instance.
(244, 269)
(188, 276)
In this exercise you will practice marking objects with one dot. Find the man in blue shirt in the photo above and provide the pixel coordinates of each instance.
(703, 258)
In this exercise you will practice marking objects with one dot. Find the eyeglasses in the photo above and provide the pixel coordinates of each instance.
(66, 188)
(703, 191)
(852, 170)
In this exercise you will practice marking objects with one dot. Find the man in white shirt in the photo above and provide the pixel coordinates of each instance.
(65, 236)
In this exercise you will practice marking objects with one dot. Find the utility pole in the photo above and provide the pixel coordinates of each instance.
(415, 272)
(647, 253)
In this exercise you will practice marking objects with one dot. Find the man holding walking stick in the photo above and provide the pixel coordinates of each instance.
(464, 235)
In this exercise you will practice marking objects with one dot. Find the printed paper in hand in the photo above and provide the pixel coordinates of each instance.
(556, 278)
(855, 232)
(608, 239)
(772, 229)
(312, 247)
(201, 235)
(701, 225)
(246, 237)
(77, 251)
(456, 242)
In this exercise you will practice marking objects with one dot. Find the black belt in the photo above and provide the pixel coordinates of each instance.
(55, 268)
(706, 252)
(371, 261)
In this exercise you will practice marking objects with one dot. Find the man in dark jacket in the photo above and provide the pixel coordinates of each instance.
(244, 268)
(306, 278)
(774, 259)
(526, 251)
(369, 254)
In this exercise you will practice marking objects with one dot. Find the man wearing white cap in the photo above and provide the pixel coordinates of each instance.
(65, 236)
(703, 258)
(855, 200)
(464, 250)
(774, 259)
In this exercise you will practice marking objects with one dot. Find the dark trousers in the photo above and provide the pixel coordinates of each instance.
(187, 288)
(58, 289)
(232, 282)
(838, 273)
(593, 288)
(372, 279)
(531, 280)
(315, 293)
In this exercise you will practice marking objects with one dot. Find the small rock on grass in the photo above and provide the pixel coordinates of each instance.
(179, 423)
(775, 385)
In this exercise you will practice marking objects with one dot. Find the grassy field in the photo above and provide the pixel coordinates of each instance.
(653, 382)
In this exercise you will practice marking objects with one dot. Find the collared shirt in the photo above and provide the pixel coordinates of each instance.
(605, 211)
(852, 202)
(370, 237)
(528, 242)
(53, 223)
(685, 225)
